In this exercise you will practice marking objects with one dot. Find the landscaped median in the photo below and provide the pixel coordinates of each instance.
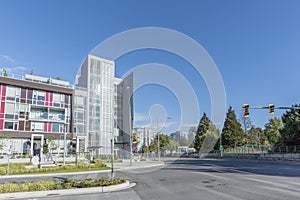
(44, 185)
(20, 168)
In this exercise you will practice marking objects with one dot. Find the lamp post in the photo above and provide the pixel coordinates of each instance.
(64, 157)
(130, 138)
(158, 146)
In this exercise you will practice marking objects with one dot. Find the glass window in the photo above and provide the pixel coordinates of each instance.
(8, 125)
(11, 91)
(39, 126)
(9, 108)
(79, 100)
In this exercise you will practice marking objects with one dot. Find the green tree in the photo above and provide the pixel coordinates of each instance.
(164, 140)
(290, 133)
(4, 72)
(201, 131)
(49, 143)
(232, 132)
(172, 146)
(211, 137)
(272, 131)
(255, 136)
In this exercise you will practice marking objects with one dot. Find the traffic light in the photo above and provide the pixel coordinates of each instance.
(246, 110)
(271, 109)
(133, 138)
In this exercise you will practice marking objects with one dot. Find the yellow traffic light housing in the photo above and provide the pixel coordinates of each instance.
(246, 110)
(271, 109)
(133, 138)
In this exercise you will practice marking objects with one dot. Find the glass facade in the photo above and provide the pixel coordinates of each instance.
(97, 78)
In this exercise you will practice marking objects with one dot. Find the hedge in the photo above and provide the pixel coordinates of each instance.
(43, 185)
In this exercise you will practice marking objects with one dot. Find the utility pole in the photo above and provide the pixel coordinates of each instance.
(112, 159)
(130, 131)
(158, 146)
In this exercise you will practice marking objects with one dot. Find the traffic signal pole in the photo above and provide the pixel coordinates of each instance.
(271, 108)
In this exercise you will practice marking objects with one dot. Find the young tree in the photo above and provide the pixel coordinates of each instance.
(245, 122)
(232, 133)
(201, 131)
(290, 133)
(272, 131)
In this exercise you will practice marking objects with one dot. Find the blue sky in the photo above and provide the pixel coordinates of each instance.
(255, 45)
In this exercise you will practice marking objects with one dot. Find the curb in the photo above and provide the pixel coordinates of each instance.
(65, 192)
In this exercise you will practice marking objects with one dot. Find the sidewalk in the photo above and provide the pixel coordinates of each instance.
(125, 165)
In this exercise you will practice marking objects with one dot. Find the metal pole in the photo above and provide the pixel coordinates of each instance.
(112, 159)
(8, 165)
(158, 146)
(130, 131)
(221, 147)
(64, 158)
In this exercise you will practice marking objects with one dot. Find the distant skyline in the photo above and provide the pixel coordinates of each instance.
(255, 45)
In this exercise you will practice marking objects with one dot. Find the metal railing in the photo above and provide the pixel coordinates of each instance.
(286, 149)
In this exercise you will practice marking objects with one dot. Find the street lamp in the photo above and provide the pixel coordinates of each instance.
(130, 139)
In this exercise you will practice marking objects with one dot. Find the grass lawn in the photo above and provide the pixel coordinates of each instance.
(19, 168)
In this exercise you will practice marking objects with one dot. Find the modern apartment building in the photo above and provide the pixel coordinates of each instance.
(31, 110)
(97, 109)
(108, 108)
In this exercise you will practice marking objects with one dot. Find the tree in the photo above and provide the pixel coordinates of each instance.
(272, 131)
(172, 146)
(4, 72)
(211, 137)
(49, 143)
(232, 132)
(255, 136)
(245, 121)
(201, 131)
(164, 140)
(290, 133)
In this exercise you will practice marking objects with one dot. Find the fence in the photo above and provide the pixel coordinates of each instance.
(286, 149)
(247, 149)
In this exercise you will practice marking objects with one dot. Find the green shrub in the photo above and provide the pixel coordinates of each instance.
(2, 170)
(43, 185)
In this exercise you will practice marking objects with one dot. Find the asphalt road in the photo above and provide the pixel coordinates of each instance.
(208, 179)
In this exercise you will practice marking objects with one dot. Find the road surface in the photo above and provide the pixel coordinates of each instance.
(207, 179)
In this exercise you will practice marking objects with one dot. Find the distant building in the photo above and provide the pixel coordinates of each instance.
(145, 136)
(178, 135)
(191, 134)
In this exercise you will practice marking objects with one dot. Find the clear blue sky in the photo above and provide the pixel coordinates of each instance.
(254, 43)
